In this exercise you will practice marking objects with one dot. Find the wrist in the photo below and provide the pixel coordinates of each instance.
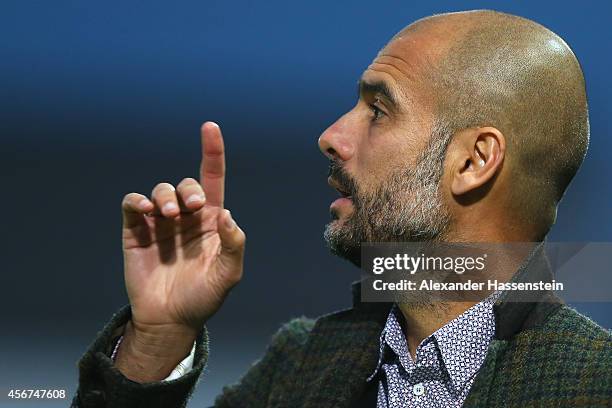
(160, 340)
(149, 353)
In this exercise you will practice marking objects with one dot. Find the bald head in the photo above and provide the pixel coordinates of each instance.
(486, 68)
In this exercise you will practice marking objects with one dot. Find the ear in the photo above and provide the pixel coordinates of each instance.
(478, 154)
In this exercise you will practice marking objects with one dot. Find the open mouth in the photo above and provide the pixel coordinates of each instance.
(344, 193)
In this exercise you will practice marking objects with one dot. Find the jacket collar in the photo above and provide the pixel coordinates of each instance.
(342, 348)
(516, 311)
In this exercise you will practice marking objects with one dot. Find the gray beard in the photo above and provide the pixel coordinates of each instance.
(407, 207)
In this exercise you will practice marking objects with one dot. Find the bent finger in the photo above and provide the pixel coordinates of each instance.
(190, 195)
(134, 207)
(164, 198)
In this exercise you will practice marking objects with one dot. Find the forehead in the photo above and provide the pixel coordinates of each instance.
(405, 62)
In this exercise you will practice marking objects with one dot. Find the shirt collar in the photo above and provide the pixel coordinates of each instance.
(392, 325)
(463, 342)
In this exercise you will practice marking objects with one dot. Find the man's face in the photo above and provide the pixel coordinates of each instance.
(387, 158)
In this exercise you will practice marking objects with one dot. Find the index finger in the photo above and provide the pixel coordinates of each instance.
(212, 167)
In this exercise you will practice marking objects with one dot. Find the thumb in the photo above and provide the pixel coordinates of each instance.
(232, 243)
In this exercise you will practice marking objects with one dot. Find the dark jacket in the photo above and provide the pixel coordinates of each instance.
(544, 354)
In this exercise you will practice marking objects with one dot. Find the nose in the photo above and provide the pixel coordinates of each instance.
(336, 142)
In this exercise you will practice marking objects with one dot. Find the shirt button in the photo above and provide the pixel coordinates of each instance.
(418, 389)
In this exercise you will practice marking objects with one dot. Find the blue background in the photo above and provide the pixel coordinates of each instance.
(99, 99)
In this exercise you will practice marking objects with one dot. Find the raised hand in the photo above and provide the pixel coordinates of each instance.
(182, 254)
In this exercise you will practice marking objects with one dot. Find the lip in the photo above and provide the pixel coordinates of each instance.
(341, 202)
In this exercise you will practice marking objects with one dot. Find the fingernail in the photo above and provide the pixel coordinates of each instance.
(144, 204)
(194, 198)
(169, 207)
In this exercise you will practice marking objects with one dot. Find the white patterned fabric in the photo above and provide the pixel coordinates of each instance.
(446, 362)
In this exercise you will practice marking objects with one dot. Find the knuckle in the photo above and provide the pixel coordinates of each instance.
(130, 198)
(241, 237)
(188, 188)
(164, 185)
(187, 181)
(235, 278)
(163, 188)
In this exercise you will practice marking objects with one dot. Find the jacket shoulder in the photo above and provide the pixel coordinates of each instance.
(572, 341)
(564, 361)
(289, 340)
(293, 333)
(573, 327)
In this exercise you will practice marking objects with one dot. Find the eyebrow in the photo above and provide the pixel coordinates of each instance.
(380, 88)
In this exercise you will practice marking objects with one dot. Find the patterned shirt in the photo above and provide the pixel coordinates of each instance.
(446, 362)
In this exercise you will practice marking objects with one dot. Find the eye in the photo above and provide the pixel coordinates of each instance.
(377, 113)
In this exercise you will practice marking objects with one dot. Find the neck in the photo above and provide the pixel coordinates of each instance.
(423, 319)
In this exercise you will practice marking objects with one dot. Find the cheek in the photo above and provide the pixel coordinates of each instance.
(445, 185)
(372, 177)
(368, 173)
(375, 166)
(387, 149)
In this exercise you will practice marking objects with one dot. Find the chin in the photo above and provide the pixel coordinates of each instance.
(341, 243)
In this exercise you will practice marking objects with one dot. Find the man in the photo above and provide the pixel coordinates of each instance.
(468, 128)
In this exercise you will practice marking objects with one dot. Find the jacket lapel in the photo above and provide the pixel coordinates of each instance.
(342, 351)
(515, 312)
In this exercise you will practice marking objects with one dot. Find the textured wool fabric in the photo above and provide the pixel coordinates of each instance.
(544, 354)
(102, 385)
